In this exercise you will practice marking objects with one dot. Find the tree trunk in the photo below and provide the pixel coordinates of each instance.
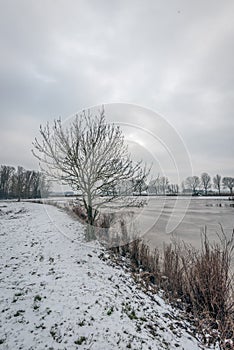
(90, 228)
(90, 215)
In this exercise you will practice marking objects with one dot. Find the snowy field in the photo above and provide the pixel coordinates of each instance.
(59, 292)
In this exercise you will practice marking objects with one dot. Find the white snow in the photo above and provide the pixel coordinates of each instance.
(57, 293)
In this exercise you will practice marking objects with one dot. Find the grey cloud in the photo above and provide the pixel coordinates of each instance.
(173, 57)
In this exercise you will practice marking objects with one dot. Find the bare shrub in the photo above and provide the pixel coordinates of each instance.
(115, 229)
(103, 224)
(208, 283)
(208, 286)
(172, 270)
(77, 209)
(200, 279)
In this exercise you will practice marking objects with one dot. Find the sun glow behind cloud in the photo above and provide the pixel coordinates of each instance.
(172, 57)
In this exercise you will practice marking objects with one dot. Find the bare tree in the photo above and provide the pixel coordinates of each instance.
(39, 185)
(183, 185)
(205, 182)
(139, 183)
(161, 185)
(192, 183)
(228, 182)
(164, 182)
(217, 182)
(90, 155)
(43, 187)
(154, 185)
(173, 188)
(28, 179)
(18, 183)
(6, 173)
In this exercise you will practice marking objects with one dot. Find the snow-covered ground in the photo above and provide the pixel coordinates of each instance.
(59, 292)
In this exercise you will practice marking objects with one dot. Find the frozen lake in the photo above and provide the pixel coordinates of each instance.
(201, 213)
(189, 216)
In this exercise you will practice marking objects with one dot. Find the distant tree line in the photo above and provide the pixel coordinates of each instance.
(161, 186)
(194, 185)
(204, 184)
(20, 183)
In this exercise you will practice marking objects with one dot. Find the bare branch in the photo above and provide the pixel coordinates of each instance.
(90, 155)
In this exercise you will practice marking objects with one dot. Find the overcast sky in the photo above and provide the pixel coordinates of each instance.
(173, 57)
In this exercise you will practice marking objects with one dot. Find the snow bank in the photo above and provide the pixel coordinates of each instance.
(57, 293)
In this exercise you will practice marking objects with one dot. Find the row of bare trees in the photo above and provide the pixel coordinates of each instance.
(20, 183)
(192, 184)
(161, 185)
(195, 184)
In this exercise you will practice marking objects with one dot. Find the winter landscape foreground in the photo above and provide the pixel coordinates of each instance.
(59, 292)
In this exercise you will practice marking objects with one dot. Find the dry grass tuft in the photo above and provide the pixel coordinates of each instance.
(198, 281)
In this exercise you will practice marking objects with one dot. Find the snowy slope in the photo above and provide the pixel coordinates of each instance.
(57, 293)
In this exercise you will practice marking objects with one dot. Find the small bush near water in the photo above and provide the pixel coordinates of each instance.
(199, 281)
